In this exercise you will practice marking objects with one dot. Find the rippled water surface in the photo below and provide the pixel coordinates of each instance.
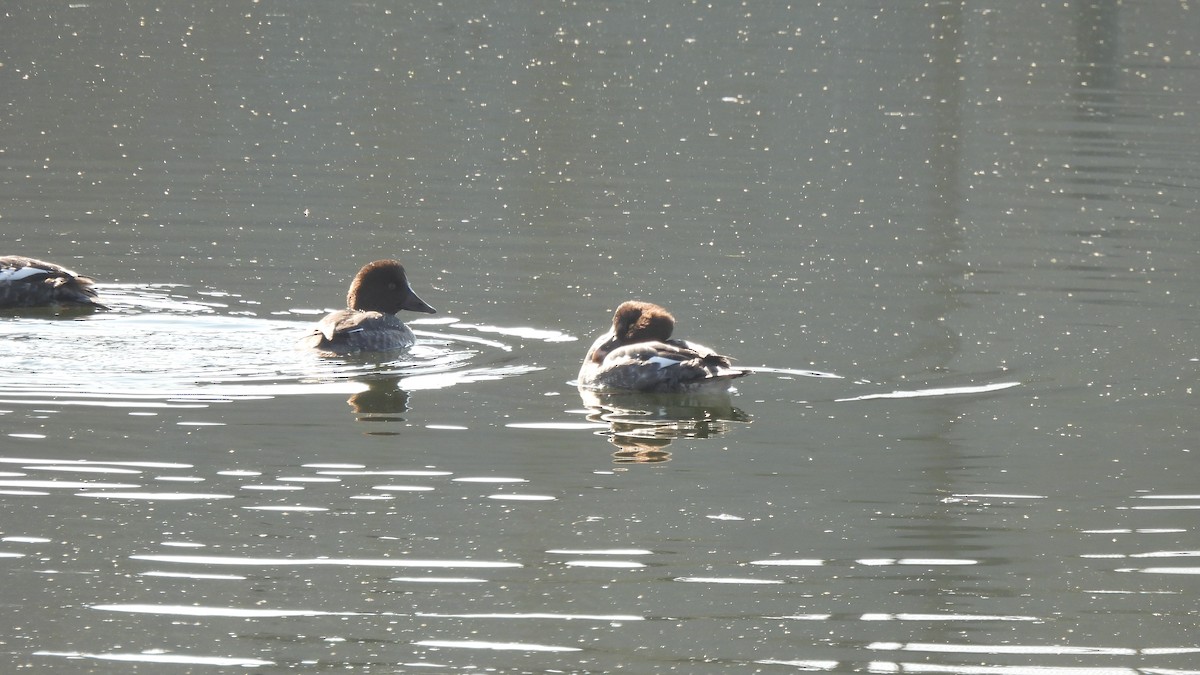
(955, 244)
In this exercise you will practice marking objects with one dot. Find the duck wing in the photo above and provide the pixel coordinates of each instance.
(673, 365)
(29, 282)
(346, 321)
(349, 331)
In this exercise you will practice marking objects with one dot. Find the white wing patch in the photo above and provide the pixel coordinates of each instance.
(13, 274)
(661, 361)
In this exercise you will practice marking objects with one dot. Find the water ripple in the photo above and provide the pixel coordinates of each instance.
(158, 351)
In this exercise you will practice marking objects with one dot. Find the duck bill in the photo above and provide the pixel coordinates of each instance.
(413, 303)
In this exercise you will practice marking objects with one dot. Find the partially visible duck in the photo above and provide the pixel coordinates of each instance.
(28, 282)
(369, 323)
(638, 354)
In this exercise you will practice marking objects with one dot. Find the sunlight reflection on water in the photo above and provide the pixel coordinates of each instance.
(160, 349)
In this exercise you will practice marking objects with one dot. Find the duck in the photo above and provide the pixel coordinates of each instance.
(639, 354)
(29, 282)
(369, 322)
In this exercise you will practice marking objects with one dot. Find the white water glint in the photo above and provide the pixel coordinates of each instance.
(195, 575)
(538, 615)
(440, 580)
(728, 580)
(155, 496)
(163, 658)
(600, 551)
(65, 484)
(610, 564)
(936, 391)
(497, 646)
(319, 562)
(508, 497)
(234, 612)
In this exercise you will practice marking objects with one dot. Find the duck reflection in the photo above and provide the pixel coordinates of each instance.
(382, 401)
(643, 425)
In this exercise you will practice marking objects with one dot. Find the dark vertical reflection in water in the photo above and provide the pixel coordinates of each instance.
(944, 196)
(931, 527)
(1095, 98)
(1097, 33)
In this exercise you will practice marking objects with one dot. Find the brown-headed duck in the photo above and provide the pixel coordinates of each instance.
(638, 354)
(369, 323)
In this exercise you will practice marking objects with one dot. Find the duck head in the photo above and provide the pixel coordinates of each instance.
(382, 286)
(636, 321)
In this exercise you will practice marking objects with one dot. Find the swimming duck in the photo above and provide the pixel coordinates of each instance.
(369, 323)
(28, 282)
(638, 354)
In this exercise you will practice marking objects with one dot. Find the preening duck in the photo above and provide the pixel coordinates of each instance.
(639, 354)
(29, 282)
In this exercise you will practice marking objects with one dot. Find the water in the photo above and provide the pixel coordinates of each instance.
(954, 241)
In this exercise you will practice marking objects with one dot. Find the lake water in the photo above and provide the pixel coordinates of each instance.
(956, 241)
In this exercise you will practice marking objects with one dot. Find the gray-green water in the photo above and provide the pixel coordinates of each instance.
(979, 216)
